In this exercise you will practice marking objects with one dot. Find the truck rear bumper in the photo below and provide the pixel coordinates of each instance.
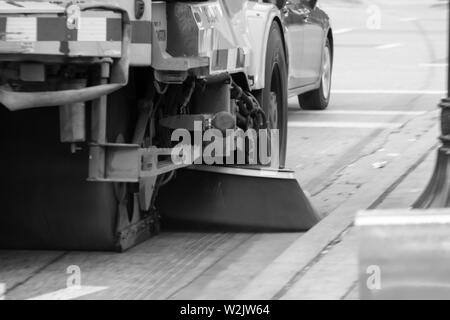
(15, 101)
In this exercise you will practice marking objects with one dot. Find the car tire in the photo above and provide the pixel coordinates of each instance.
(276, 88)
(320, 98)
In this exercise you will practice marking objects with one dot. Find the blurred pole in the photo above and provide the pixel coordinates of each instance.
(437, 193)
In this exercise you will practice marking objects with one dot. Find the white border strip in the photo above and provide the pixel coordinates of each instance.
(408, 19)
(433, 65)
(363, 112)
(402, 220)
(381, 91)
(69, 293)
(389, 46)
(257, 172)
(343, 30)
(344, 125)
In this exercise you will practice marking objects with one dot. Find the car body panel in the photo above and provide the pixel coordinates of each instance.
(306, 29)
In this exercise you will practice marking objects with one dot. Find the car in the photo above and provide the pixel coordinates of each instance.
(310, 49)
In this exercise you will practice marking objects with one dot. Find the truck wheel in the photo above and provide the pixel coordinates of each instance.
(319, 98)
(273, 98)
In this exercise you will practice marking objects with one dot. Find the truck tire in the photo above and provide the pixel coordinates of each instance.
(273, 98)
(320, 98)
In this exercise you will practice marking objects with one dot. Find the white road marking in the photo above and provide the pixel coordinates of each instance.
(389, 46)
(399, 3)
(393, 155)
(405, 92)
(69, 293)
(343, 125)
(433, 65)
(341, 31)
(402, 219)
(364, 112)
(2, 291)
(408, 19)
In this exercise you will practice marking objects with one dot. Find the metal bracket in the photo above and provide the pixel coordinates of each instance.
(114, 162)
(128, 163)
(162, 61)
(152, 166)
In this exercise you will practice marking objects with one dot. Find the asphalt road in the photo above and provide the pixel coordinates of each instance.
(382, 77)
(387, 72)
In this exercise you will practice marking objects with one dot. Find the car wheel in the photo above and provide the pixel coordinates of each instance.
(273, 98)
(320, 98)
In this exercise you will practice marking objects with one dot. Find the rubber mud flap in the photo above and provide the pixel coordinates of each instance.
(226, 202)
(45, 200)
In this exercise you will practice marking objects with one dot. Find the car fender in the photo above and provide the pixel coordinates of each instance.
(259, 18)
(330, 30)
